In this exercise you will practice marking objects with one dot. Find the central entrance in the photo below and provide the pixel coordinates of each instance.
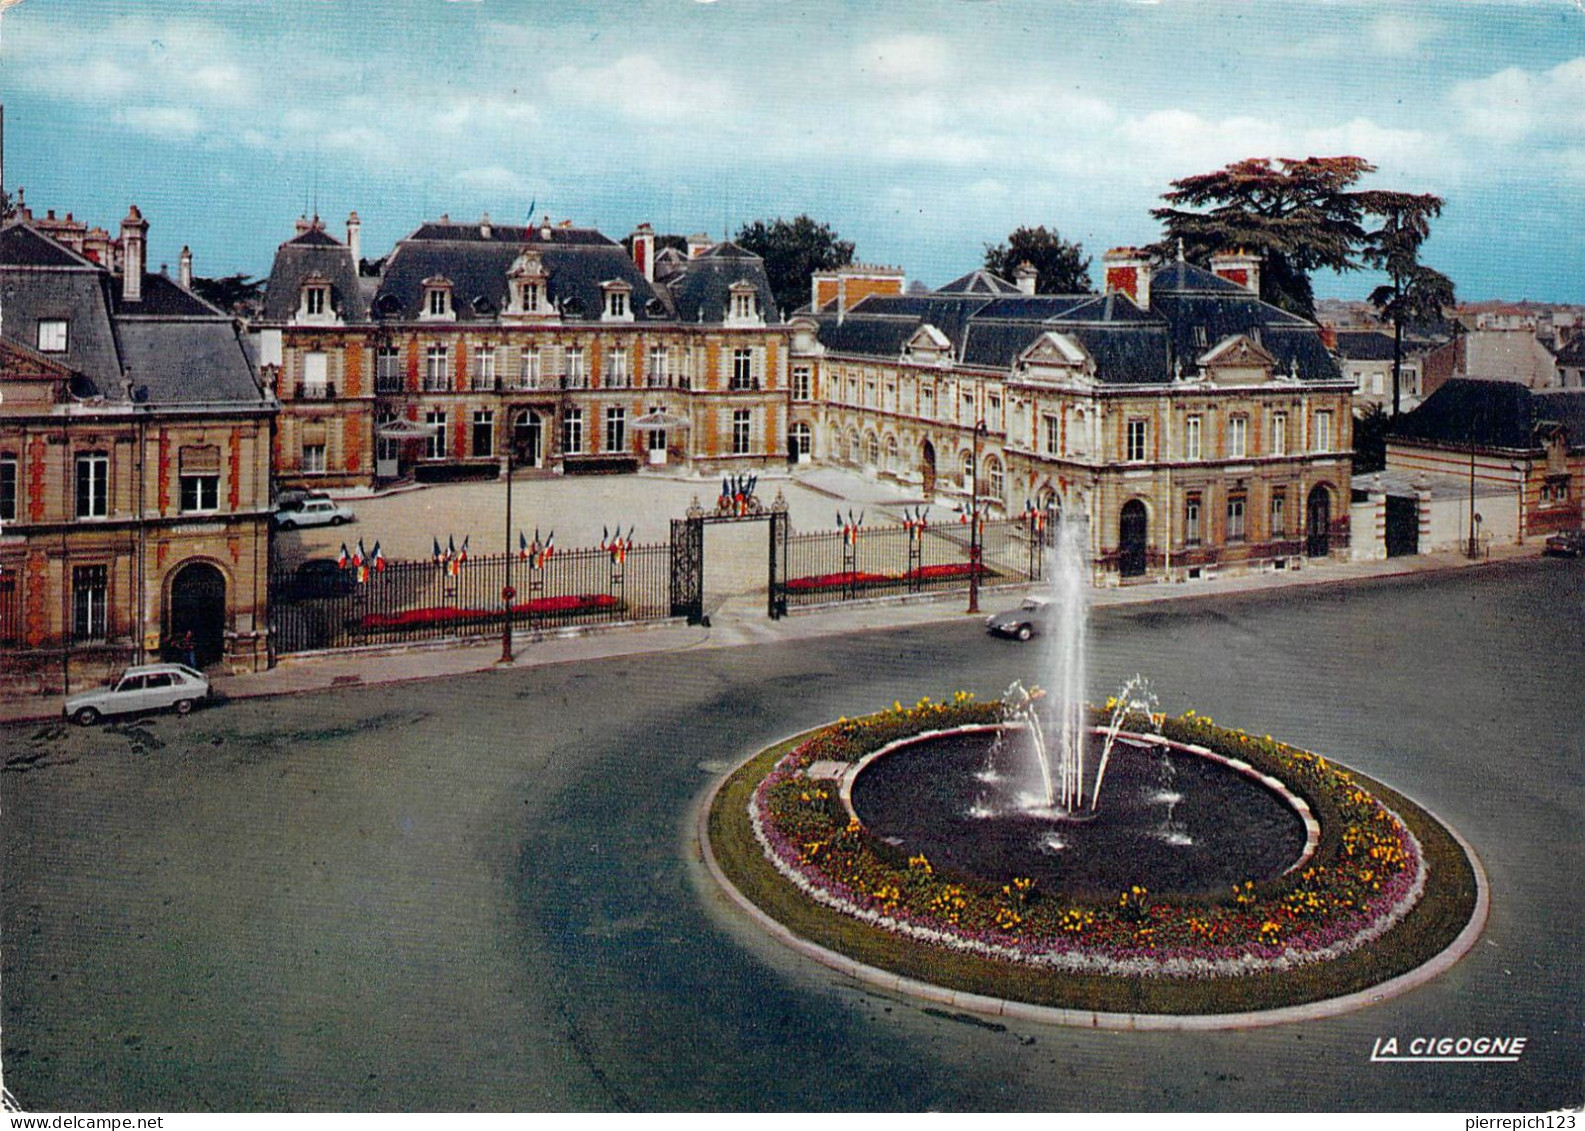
(198, 606)
(687, 560)
(1131, 539)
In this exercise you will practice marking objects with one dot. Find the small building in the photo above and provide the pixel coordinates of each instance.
(134, 467)
(1365, 357)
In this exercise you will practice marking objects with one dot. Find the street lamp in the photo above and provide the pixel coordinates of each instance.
(974, 519)
(507, 592)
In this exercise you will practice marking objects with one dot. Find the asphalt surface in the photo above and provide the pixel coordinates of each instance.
(481, 893)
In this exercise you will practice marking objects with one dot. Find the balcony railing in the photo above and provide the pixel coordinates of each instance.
(389, 383)
(317, 391)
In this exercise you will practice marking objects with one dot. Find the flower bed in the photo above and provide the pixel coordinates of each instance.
(1366, 875)
(448, 614)
(861, 578)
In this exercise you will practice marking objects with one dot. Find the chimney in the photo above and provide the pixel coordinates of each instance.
(134, 241)
(1238, 266)
(1128, 271)
(1025, 275)
(544, 228)
(184, 268)
(355, 238)
(644, 251)
(484, 226)
(302, 225)
(698, 244)
(1329, 338)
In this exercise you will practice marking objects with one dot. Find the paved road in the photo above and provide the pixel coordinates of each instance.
(481, 893)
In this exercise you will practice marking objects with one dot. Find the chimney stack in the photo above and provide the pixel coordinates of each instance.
(484, 226)
(1128, 271)
(644, 251)
(184, 268)
(355, 238)
(698, 244)
(134, 243)
(1238, 266)
(1025, 276)
(1329, 338)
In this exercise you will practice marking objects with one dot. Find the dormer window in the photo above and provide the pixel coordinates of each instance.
(52, 335)
(315, 304)
(743, 304)
(618, 301)
(315, 299)
(528, 285)
(437, 298)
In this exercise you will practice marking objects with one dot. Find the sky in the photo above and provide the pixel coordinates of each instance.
(922, 130)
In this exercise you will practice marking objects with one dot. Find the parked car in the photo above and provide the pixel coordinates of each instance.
(1025, 621)
(322, 577)
(293, 498)
(145, 687)
(1568, 544)
(313, 512)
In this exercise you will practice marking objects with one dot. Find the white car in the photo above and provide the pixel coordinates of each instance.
(313, 512)
(146, 687)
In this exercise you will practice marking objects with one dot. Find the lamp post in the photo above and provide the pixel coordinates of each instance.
(507, 592)
(974, 520)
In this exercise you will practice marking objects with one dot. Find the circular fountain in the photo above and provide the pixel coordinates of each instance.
(1117, 861)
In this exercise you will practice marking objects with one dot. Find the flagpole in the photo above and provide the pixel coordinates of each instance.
(506, 592)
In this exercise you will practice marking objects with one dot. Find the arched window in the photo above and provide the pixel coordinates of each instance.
(853, 445)
(995, 481)
(968, 467)
(891, 453)
(872, 450)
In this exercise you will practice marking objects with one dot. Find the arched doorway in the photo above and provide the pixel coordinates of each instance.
(198, 606)
(528, 438)
(1132, 535)
(1318, 542)
(927, 468)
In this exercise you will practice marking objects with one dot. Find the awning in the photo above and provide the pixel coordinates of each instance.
(406, 430)
(660, 422)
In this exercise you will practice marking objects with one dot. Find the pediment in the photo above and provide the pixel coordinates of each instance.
(1238, 360)
(928, 340)
(1054, 350)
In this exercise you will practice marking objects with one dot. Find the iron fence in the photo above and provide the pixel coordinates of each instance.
(883, 561)
(421, 600)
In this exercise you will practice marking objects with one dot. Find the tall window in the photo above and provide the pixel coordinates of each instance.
(200, 493)
(572, 432)
(435, 377)
(1237, 436)
(530, 372)
(8, 488)
(385, 451)
(484, 367)
(577, 375)
(993, 411)
(993, 475)
(656, 377)
(1279, 433)
(1279, 514)
(1235, 518)
(742, 432)
(1191, 437)
(801, 383)
(313, 457)
(483, 432)
(616, 304)
(616, 377)
(1053, 434)
(968, 468)
(743, 305)
(1191, 520)
(1136, 441)
(438, 304)
(435, 442)
(1323, 431)
(388, 369)
(90, 587)
(615, 429)
(803, 440)
(742, 369)
(93, 485)
(315, 372)
(314, 301)
(52, 335)
(927, 401)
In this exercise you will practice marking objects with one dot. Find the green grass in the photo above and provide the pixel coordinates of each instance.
(1434, 922)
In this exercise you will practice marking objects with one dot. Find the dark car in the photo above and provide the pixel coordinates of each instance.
(1023, 622)
(322, 577)
(1568, 544)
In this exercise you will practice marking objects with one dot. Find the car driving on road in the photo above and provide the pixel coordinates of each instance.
(1028, 619)
(145, 687)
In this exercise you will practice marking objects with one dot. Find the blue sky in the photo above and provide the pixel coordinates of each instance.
(920, 129)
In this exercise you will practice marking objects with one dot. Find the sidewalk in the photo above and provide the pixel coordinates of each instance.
(742, 621)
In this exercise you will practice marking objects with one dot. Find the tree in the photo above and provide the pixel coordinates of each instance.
(793, 251)
(1061, 267)
(1413, 292)
(235, 294)
(1370, 440)
(1298, 215)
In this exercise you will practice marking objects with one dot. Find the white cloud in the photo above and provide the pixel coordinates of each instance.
(171, 123)
(1399, 35)
(905, 59)
(492, 180)
(642, 89)
(1515, 104)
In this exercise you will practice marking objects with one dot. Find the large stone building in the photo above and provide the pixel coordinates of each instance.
(549, 343)
(134, 466)
(1196, 427)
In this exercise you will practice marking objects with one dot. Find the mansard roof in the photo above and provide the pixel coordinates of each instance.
(175, 348)
(308, 253)
(700, 288)
(1492, 414)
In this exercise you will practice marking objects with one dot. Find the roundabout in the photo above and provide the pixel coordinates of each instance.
(1226, 880)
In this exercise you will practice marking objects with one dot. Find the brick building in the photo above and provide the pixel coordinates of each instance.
(134, 466)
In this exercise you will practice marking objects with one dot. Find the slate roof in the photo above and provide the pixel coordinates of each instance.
(304, 254)
(176, 348)
(1364, 345)
(990, 323)
(700, 288)
(1492, 414)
